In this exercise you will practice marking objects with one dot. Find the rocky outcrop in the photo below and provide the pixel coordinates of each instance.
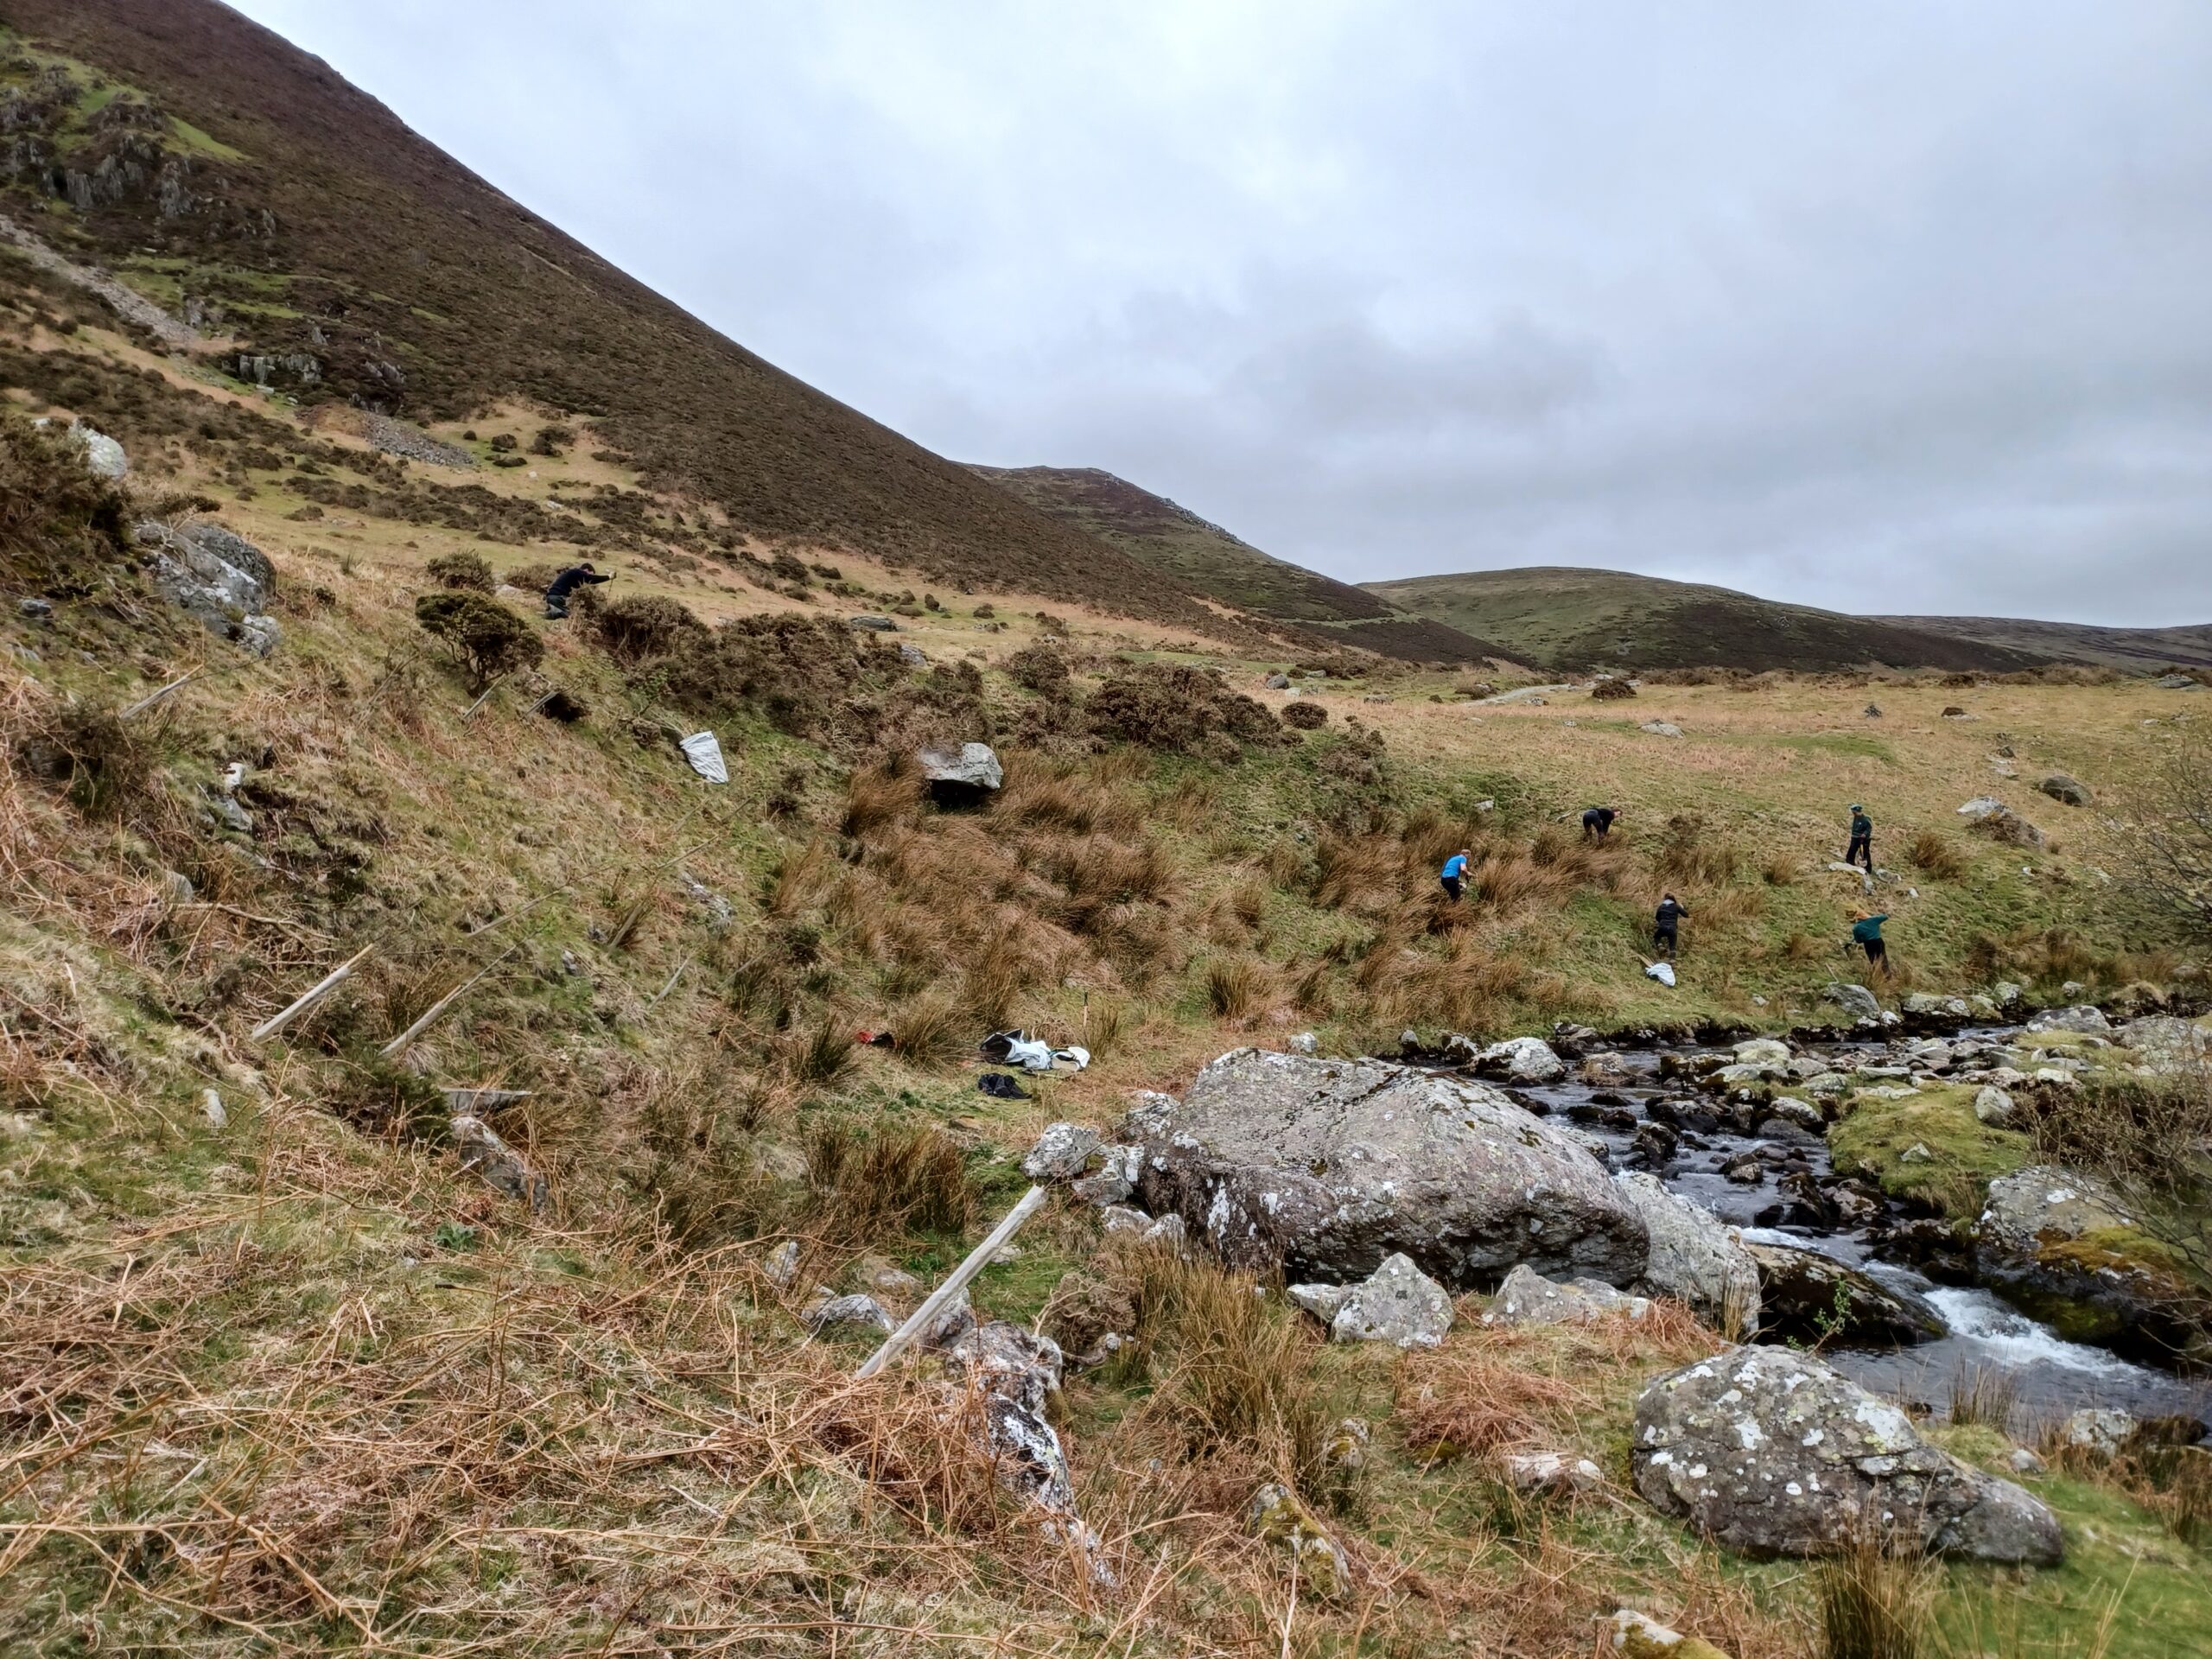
(2082, 1019)
(1806, 1297)
(1015, 1372)
(217, 577)
(1278, 1517)
(1854, 1000)
(1769, 1452)
(1695, 1257)
(969, 771)
(1327, 1166)
(2070, 791)
(1521, 1060)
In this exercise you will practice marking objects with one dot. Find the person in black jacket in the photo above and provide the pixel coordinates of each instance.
(1667, 925)
(1862, 838)
(556, 596)
(1598, 821)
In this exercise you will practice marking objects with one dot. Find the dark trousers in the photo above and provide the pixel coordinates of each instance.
(1878, 954)
(1453, 887)
(1597, 827)
(1663, 941)
(1860, 850)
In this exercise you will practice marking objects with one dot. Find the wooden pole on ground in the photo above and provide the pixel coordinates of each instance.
(330, 983)
(978, 1259)
(153, 697)
(430, 1015)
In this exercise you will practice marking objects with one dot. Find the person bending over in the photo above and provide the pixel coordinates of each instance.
(1866, 932)
(1598, 821)
(575, 576)
(1455, 875)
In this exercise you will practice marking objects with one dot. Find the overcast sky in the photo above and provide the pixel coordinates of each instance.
(1883, 305)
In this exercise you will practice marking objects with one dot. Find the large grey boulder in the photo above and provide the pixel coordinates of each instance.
(1696, 1257)
(1529, 1298)
(970, 772)
(1327, 1166)
(217, 577)
(1806, 1297)
(1769, 1452)
(2070, 791)
(1398, 1304)
(2082, 1019)
(2043, 1204)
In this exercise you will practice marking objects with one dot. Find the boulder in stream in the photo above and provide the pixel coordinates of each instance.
(1327, 1166)
(1768, 1450)
(1806, 1297)
(1695, 1256)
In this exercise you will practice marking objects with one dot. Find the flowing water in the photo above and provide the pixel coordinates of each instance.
(2050, 1375)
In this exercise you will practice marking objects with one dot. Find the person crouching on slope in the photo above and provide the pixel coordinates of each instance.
(576, 576)
(1455, 875)
(1667, 926)
(1866, 933)
(1598, 821)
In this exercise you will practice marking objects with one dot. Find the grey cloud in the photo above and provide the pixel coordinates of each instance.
(1890, 307)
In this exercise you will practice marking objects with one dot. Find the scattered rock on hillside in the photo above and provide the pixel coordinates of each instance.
(1537, 1474)
(1873, 711)
(1639, 1635)
(1017, 1372)
(1994, 1106)
(219, 578)
(500, 1165)
(1061, 1152)
(1660, 729)
(104, 456)
(960, 776)
(1398, 1304)
(2100, 1433)
(1278, 1516)
(1330, 1165)
(872, 624)
(1529, 1298)
(841, 1312)
(2071, 792)
(1695, 1256)
(1993, 818)
(1768, 1450)
(2175, 682)
(1806, 1297)
(1854, 1000)
(1277, 682)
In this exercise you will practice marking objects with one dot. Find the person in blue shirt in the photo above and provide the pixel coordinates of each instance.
(1866, 933)
(1455, 875)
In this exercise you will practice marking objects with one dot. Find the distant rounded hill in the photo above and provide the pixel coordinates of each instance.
(1566, 618)
(1210, 560)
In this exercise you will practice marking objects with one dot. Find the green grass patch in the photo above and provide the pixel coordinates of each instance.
(1965, 1154)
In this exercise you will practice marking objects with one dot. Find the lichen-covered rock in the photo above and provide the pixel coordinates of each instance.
(1322, 1301)
(2044, 1204)
(1806, 1297)
(1398, 1304)
(217, 577)
(1061, 1153)
(970, 766)
(500, 1165)
(1278, 1516)
(1695, 1257)
(2100, 1433)
(1555, 1473)
(1521, 1060)
(1854, 1000)
(846, 1313)
(1994, 1106)
(2081, 1018)
(2069, 791)
(1016, 1372)
(1769, 1452)
(1528, 1298)
(1639, 1636)
(1327, 1166)
(1762, 1051)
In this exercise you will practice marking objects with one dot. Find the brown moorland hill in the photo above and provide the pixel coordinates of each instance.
(335, 253)
(1216, 562)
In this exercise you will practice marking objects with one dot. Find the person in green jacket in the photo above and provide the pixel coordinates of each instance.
(1866, 932)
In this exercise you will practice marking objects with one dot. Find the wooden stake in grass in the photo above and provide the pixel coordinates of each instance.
(153, 697)
(439, 1006)
(978, 1259)
(330, 983)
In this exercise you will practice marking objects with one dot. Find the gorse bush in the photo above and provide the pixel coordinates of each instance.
(1041, 669)
(1175, 709)
(1305, 716)
(486, 640)
(645, 625)
(461, 570)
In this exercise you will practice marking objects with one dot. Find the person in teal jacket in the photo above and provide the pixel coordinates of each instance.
(1866, 932)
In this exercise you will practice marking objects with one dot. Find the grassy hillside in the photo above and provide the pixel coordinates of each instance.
(1570, 620)
(2137, 650)
(298, 1381)
(1210, 560)
(233, 179)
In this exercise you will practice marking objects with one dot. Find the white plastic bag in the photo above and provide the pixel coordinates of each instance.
(1664, 972)
(1074, 1057)
(705, 754)
(1030, 1055)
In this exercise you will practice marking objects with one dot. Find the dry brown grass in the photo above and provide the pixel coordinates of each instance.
(891, 1179)
(1237, 989)
(1933, 854)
